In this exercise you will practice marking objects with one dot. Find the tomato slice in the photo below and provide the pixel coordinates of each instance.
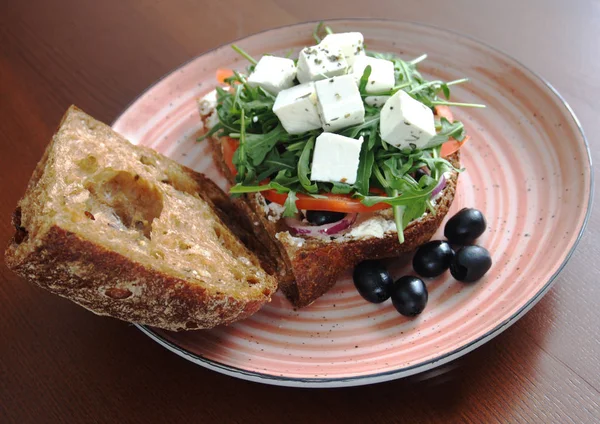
(444, 111)
(330, 202)
(229, 146)
(451, 145)
(223, 74)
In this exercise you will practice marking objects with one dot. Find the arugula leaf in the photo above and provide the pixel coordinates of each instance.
(341, 188)
(446, 130)
(289, 206)
(365, 168)
(211, 132)
(303, 167)
(285, 179)
(403, 199)
(446, 91)
(244, 54)
(259, 145)
(364, 80)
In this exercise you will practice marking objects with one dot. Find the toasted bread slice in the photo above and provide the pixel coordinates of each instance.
(127, 232)
(310, 266)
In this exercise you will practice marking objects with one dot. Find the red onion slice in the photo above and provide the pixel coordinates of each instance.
(297, 227)
(441, 185)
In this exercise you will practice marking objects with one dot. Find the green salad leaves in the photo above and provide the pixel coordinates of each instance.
(268, 158)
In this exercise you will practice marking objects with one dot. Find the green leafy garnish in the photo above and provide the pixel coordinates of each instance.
(269, 158)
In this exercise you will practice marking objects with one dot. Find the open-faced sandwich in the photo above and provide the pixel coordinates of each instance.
(341, 154)
(334, 158)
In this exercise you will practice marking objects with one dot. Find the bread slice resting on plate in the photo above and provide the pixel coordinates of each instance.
(127, 232)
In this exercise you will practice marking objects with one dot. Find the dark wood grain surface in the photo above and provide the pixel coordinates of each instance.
(60, 363)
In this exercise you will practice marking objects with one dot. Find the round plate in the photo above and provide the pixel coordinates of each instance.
(527, 168)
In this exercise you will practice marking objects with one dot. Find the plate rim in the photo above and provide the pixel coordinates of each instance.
(359, 380)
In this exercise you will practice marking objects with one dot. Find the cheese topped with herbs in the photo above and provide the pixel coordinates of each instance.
(317, 63)
(339, 102)
(336, 120)
(351, 45)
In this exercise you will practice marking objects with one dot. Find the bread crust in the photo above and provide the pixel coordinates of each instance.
(313, 268)
(102, 281)
(66, 262)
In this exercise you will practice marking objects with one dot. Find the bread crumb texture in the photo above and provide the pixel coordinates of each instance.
(127, 232)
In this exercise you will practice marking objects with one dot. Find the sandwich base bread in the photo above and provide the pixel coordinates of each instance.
(311, 266)
(127, 232)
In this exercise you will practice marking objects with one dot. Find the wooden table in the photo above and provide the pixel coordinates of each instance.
(59, 363)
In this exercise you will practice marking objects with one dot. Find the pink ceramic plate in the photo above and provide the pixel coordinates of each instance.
(528, 169)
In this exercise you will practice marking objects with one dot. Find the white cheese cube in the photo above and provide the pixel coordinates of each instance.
(317, 63)
(377, 101)
(406, 122)
(296, 108)
(381, 78)
(339, 102)
(350, 43)
(273, 74)
(208, 103)
(335, 158)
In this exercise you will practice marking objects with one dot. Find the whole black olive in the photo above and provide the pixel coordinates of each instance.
(324, 217)
(372, 281)
(433, 258)
(409, 295)
(470, 263)
(465, 226)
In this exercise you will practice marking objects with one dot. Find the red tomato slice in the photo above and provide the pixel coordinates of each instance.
(229, 146)
(444, 112)
(223, 74)
(451, 145)
(332, 202)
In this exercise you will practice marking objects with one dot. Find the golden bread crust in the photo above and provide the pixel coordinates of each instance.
(127, 232)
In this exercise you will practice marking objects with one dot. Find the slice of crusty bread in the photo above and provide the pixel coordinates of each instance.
(309, 267)
(127, 232)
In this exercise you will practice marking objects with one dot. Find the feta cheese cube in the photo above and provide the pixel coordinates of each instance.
(273, 74)
(296, 108)
(350, 43)
(406, 122)
(208, 103)
(339, 102)
(382, 73)
(335, 158)
(317, 63)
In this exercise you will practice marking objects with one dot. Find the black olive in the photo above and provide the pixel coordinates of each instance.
(470, 263)
(372, 281)
(409, 295)
(324, 217)
(465, 226)
(433, 258)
